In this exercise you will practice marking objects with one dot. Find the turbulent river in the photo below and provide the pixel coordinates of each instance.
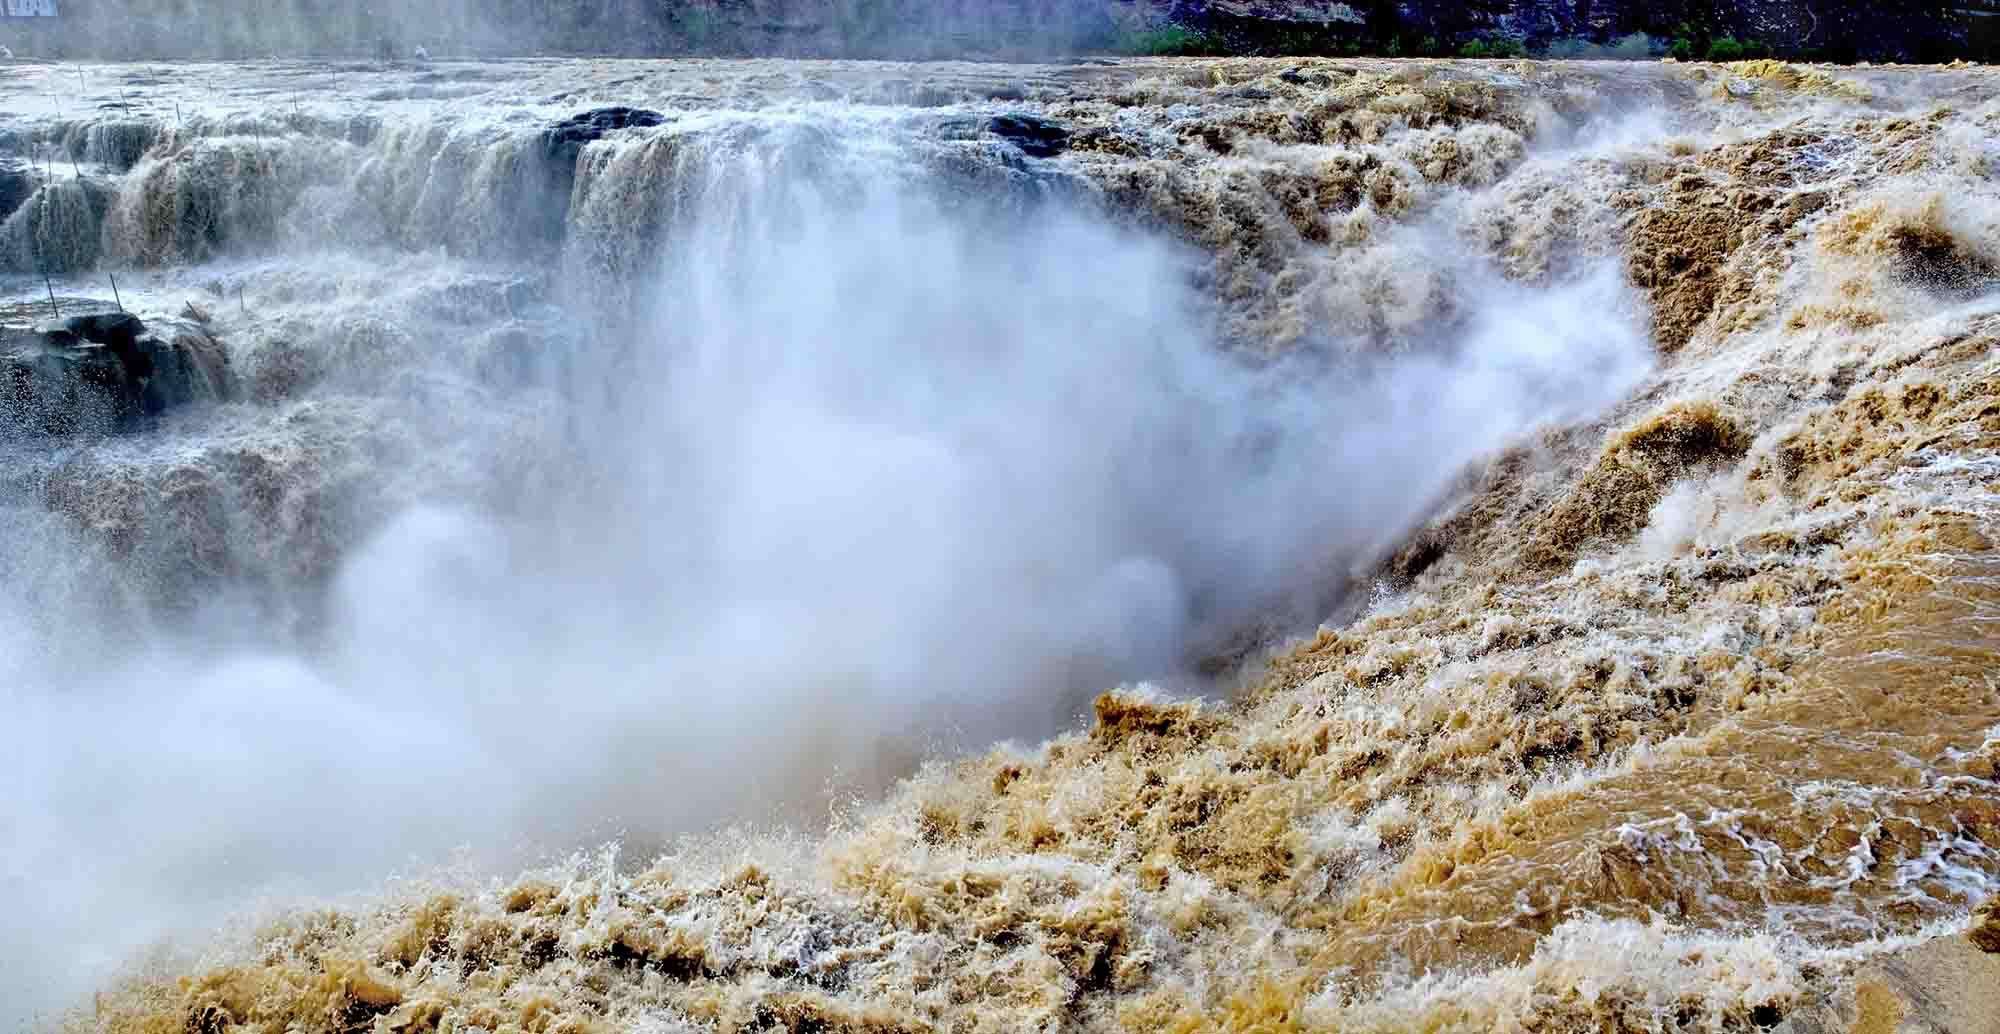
(1440, 546)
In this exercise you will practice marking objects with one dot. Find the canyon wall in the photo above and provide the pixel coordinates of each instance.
(1913, 30)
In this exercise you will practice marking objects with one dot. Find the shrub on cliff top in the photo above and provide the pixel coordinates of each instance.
(1166, 41)
(1494, 48)
(1722, 48)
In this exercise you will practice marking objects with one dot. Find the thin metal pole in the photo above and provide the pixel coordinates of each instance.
(114, 290)
(52, 292)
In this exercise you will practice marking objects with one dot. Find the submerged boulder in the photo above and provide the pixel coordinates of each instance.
(118, 331)
(1036, 137)
(104, 373)
(17, 185)
(564, 141)
(543, 191)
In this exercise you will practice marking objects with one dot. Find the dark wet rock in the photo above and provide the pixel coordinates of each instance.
(1301, 77)
(1004, 185)
(188, 368)
(118, 331)
(1036, 137)
(961, 129)
(104, 373)
(540, 192)
(17, 184)
(564, 141)
(1031, 136)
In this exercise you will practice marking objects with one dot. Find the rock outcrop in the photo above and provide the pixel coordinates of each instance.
(17, 185)
(1036, 137)
(562, 142)
(105, 373)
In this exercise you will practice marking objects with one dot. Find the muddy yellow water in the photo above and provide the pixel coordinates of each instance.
(1857, 802)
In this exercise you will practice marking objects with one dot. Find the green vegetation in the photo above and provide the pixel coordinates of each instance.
(1724, 48)
(1167, 41)
(1699, 41)
(1495, 48)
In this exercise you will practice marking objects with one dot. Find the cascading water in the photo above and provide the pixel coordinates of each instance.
(583, 471)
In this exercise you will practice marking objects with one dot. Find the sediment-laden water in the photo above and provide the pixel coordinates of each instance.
(1541, 517)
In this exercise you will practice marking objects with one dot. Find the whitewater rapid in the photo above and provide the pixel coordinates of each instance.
(617, 450)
